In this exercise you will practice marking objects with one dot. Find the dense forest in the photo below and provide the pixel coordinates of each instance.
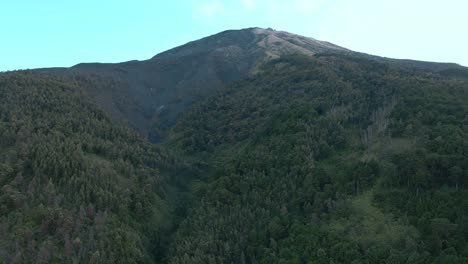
(332, 158)
(74, 188)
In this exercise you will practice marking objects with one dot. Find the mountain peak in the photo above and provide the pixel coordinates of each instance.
(264, 42)
(152, 93)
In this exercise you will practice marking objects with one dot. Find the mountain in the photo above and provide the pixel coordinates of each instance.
(149, 95)
(272, 148)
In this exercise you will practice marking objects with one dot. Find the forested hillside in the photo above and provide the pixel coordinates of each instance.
(329, 159)
(74, 188)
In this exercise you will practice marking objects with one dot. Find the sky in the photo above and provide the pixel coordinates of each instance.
(62, 33)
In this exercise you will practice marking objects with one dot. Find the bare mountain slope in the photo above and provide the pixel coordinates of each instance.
(149, 95)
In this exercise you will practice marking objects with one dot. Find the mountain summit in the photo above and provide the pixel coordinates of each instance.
(149, 95)
(268, 43)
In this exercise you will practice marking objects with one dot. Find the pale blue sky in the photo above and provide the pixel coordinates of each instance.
(50, 33)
